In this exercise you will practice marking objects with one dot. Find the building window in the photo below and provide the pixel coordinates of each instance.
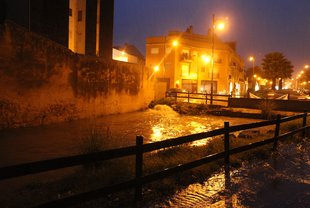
(70, 12)
(168, 50)
(203, 69)
(218, 60)
(206, 86)
(185, 55)
(80, 15)
(189, 85)
(185, 70)
(154, 50)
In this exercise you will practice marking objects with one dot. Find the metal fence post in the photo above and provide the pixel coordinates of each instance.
(277, 132)
(304, 123)
(226, 148)
(139, 167)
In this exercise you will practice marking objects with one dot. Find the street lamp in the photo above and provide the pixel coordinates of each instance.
(175, 43)
(252, 59)
(156, 68)
(220, 26)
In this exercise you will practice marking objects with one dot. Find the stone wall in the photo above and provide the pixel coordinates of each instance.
(43, 82)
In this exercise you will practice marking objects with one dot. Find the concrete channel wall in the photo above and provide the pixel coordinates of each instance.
(43, 82)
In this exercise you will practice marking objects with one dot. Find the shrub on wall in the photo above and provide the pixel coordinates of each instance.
(58, 111)
(98, 78)
(34, 59)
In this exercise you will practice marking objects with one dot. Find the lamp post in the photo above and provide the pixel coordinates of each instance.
(220, 26)
(212, 57)
(252, 59)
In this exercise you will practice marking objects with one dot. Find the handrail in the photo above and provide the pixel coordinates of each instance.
(197, 96)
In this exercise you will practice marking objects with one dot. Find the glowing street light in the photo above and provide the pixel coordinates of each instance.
(220, 26)
(206, 59)
(156, 68)
(175, 43)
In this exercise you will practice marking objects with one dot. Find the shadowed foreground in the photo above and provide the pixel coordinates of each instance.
(283, 180)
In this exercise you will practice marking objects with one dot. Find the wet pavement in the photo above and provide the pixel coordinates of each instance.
(283, 180)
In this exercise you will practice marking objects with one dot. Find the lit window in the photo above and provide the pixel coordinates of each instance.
(185, 70)
(168, 50)
(80, 15)
(154, 50)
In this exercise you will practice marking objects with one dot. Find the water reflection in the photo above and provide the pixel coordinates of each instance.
(211, 193)
(62, 139)
(172, 125)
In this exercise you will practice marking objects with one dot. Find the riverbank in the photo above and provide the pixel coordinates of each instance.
(265, 112)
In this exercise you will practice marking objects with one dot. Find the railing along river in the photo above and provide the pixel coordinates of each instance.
(139, 149)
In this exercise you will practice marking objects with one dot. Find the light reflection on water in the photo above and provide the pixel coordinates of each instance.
(61, 139)
(172, 125)
(210, 193)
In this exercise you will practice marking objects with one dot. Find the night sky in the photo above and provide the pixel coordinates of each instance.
(258, 26)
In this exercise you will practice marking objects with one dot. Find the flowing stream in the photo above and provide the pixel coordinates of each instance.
(63, 139)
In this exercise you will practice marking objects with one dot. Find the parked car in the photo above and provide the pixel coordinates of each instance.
(172, 92)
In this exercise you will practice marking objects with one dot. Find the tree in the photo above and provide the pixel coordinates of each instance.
(305, 78)
(276, 66)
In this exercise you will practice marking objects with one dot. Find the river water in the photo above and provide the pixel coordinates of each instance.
(63, 139)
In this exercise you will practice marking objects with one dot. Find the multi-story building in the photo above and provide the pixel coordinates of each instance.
(184, 60)
(91, 27)
(84, 26)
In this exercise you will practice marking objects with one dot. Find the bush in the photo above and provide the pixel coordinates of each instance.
(93, 143)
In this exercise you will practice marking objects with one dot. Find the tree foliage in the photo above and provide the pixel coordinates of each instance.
(276, 66)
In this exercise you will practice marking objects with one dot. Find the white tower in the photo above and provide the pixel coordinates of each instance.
(77, 26)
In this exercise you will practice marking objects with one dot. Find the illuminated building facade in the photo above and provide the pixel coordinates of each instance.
(187, 65)
(91, 27)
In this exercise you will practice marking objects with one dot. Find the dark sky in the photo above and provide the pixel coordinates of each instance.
(258, 26)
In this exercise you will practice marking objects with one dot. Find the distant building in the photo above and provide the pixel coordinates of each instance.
(84, 26)
(127, 53)
(91, 27)
(187, 65)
